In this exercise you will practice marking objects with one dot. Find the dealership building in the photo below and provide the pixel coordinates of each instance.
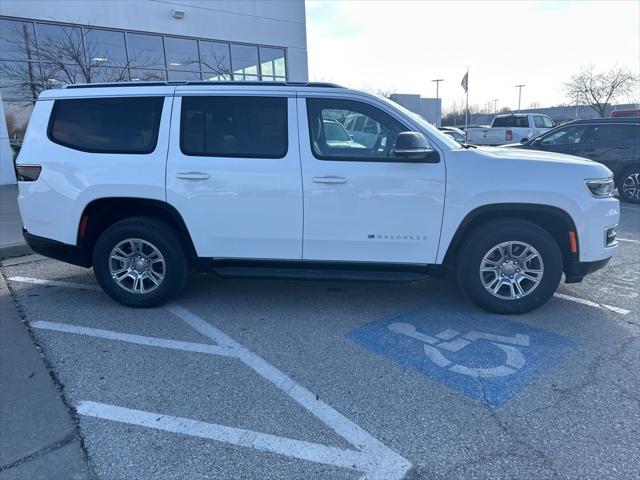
(47, 44)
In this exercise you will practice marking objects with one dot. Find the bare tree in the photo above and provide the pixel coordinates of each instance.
(597, 89)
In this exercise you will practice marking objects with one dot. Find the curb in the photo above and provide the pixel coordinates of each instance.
(14, 250)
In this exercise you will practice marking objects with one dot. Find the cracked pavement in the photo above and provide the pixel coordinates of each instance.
(578, 419)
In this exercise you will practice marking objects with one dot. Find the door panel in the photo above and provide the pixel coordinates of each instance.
(239, 205)
(366, 209)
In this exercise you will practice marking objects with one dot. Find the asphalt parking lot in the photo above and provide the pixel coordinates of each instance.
(303, 379)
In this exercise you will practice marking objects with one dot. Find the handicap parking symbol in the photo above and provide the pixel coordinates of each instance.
(486, 358)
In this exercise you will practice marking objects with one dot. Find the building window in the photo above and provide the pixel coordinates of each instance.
(38, 55)
(244, 61)
(145, 51)
(182, 54)
(105, 48)
(272, 64)
(215, 60)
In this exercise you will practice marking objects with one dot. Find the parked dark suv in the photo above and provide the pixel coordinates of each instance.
(614, 142)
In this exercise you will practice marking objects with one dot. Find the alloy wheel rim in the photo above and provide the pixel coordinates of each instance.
(137, 266)
(511, 270)
(631, 186)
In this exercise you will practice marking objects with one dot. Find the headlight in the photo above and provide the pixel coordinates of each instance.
(601, 188)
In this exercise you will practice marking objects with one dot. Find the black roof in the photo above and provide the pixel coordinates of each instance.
(606, 120)
(235, 84)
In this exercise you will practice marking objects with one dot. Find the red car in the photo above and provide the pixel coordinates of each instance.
(626, 114)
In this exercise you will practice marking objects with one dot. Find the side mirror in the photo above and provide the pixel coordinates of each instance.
(413, 146)
(524, 140)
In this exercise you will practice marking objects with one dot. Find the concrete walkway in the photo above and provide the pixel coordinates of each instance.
(11, 241)
(38, 437)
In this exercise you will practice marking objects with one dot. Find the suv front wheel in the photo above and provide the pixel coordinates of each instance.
(140, 262)
(509, 266)
(629, 185)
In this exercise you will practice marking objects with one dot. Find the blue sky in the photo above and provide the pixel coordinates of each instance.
(402, 45)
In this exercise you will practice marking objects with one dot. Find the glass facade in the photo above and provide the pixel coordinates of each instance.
(35, 56)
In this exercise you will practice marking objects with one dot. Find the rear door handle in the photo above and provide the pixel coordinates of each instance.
(329, 179)
(192, 175)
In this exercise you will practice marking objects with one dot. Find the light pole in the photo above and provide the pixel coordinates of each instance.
(437, 80)
(495, 105)
(519, 87)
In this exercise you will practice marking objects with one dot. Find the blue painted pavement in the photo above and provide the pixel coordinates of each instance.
(486, 358)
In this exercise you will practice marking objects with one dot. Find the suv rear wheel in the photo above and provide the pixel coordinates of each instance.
(629, 185)
(140, 262)
(509, 266)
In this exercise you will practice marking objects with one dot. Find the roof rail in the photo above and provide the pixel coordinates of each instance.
(225, 83)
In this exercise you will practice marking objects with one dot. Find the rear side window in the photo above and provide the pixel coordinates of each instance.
(511, 121)
(254, 127)
(107, 125)
(614, 133)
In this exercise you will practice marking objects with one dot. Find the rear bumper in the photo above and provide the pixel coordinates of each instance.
(579, 270)
(60, 251)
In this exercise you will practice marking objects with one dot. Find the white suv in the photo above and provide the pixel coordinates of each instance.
(145, 181)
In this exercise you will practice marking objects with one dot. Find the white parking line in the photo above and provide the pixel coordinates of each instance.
(621, 311)
(383, 463)
(135, 339)
(312, 452)
(56, 283)
(628, 240)
(370, 456)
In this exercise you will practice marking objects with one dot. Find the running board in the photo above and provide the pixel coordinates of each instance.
(319, 274)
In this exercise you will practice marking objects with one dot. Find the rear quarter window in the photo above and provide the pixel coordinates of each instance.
(107, 125)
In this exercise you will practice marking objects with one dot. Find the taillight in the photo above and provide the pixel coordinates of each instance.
(28, 173)
(508, 136)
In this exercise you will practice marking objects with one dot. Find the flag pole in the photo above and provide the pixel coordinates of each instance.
(466, 115)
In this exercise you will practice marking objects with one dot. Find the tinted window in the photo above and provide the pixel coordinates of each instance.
(371, 143)
(234, 126)
(107, 125)
(511, 121)
(613, 133)
(565, 135)
(18, 41)
(538, 122)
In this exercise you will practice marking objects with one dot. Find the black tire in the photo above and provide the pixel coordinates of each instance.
(629, 174)
(483, 239)
(159, 235)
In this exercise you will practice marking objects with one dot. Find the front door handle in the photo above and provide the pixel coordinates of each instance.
(192, 175)
(329, 179)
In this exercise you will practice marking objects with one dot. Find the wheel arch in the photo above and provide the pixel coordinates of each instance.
(557, 222)
(101, 213)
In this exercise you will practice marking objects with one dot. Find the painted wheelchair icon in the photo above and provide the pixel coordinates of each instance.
(450, 340)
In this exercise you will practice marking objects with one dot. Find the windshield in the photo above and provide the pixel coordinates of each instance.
(333, 131)
(431, 130)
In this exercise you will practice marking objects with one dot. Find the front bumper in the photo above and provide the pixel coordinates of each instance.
(60, 251)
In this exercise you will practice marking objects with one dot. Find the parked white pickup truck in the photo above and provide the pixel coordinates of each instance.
(510, 128)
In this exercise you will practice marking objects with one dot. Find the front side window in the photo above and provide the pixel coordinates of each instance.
(254, 127)
(613, 133)
(565, 136)
(547, 122)
(538, 122)
(107, 125)
(371, 139)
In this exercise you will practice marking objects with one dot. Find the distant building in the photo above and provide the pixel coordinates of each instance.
(429, 108)
(557, 114)
(46, 44)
